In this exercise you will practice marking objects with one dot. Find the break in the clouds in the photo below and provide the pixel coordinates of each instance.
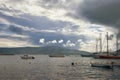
(68, 23)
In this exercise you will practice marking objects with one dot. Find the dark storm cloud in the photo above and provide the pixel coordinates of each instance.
(105, 12)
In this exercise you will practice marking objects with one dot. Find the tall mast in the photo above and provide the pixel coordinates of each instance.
(117, 44)
(100, 43)
(107, 44)
(96, 45)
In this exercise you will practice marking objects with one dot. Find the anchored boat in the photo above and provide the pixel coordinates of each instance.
(108, 55)
(27, 57)
(108, 66)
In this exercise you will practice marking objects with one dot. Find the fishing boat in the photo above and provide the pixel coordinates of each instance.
(27, 57)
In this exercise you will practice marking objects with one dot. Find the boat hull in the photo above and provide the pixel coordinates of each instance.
(57, 55)
(109, 57)
(27, 57)
(102, 65)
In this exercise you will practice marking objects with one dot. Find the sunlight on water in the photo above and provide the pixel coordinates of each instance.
(46, 68)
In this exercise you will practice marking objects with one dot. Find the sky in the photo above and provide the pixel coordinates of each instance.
(74, 24)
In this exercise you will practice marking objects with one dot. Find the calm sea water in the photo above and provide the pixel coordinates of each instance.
(46, 68)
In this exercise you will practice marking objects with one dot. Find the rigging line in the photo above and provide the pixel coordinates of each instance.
(104, 44)
(114, 45)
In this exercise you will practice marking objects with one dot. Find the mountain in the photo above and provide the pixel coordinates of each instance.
(40, 50)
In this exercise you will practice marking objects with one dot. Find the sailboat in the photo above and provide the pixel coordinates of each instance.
(108, 56)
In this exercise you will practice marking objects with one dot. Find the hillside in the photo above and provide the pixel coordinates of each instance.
(40, 50)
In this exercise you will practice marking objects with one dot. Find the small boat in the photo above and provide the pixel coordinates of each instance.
(87, 55)
(27, 57)
(107, 66)
(56, 55)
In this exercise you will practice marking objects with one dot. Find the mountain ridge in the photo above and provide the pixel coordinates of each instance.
(41, 50)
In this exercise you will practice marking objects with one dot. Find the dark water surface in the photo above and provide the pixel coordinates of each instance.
(46, 68)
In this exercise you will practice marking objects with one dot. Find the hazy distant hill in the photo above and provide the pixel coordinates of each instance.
(40, 50)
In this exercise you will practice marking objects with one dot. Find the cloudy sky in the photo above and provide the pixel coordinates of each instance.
(68, 23)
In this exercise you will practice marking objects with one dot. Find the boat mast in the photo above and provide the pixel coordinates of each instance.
(117, 44)
(96, 45)
(100, 43)
(107, 44)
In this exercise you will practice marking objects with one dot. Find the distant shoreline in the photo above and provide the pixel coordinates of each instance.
(7, 54)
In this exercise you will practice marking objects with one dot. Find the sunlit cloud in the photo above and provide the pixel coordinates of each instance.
(52, 42)
(69, 44)
(61, 41)
(14, 43)
(42, 40)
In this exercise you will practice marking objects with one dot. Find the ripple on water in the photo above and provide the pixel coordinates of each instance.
(45, 68)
